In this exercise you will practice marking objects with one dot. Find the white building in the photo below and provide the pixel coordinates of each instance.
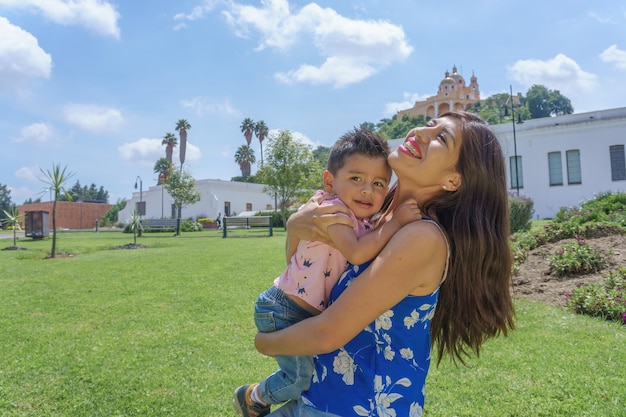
(216, 196)
(564, 160)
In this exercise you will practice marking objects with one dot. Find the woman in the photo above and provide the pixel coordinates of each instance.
(373, 343)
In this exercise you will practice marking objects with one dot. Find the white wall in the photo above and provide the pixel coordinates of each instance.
(213, 195)
(591, 133)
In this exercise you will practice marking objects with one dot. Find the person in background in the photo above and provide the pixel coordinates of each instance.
(356, 179)
(442, 283)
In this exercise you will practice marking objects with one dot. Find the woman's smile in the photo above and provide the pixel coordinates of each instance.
(411, 148)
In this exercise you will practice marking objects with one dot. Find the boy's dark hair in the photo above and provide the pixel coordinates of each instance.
(357, 141)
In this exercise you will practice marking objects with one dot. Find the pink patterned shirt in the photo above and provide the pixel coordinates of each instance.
(315, 267)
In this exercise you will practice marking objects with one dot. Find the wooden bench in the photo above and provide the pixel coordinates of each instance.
(233, 223)
(159, 225)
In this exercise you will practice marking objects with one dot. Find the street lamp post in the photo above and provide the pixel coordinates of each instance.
(140, 194)
(514, 141)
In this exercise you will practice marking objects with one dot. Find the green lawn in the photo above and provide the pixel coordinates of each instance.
(167, 330)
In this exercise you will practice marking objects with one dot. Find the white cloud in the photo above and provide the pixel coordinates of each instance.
(21, 58)
(559, 73)
(36, 132)
(408, 102)
(198, 12)
(99, 16)
(614, 55)
(147, 151)
(28, 173)
(201, 106)
(93, 118)
(351, 50)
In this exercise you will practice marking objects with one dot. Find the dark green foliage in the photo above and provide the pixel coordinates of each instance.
(111, 216)
(606, 299)
(521, 213)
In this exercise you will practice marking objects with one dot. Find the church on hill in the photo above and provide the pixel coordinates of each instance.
(453, 94)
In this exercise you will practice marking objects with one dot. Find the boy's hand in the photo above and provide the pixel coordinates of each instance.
(407, 212)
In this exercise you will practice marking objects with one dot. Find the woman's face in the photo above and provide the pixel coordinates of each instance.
(428, 157)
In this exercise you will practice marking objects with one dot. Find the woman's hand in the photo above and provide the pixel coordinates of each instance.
(312, 219)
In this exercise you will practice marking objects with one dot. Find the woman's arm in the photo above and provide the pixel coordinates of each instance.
(360, 249)
(411, 263)
(311, 222)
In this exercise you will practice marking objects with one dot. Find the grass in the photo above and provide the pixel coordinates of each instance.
(167, 330)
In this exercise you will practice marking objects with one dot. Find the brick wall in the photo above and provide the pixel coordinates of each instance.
(70, 215)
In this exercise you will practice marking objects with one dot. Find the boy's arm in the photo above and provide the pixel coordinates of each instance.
(364, 248)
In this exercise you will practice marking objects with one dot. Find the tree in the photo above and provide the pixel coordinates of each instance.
(84, 193)
(247, 127)
(181, 187)
(261, 131)
(245, 158)
(394, 128)
(182, 126)
(543, 102)
(290, 171)
(12, 220)
(163, 168)
(321, 154)
(559, 104)
(56, 180)
(111, 216)
(5, 198)
(170, 142)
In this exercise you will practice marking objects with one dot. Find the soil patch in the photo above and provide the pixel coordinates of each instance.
(534, 281)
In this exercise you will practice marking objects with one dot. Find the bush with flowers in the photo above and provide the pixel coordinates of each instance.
(606, 299)
(575, 258)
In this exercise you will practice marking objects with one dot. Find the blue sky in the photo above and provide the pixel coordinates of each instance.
(94, 85)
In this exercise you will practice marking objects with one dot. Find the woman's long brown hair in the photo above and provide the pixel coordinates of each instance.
(475, 301)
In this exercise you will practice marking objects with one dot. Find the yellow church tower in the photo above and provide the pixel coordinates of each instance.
(453, 94)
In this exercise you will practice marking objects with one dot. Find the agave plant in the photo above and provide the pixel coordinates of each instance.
(13, 221)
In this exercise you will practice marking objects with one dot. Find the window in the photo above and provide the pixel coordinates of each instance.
(555, 168)
(227, 208)
(573, 167)
(141, 208)
(248, 206)
(618, 163)
(517, 177)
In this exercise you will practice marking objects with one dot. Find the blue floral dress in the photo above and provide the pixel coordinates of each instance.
(382, 371)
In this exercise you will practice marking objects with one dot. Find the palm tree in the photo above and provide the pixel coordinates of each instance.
(170, 141)
(247, 127)
(56, 180)
(163, 168)
(182, 126)
(245, 158)
(261, 130)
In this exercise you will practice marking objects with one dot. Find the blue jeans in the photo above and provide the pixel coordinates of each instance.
(275, 311)
(297, 408)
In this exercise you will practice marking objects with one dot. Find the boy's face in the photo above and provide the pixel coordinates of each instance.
(362, 184)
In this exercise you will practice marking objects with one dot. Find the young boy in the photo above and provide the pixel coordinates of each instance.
(357, 176)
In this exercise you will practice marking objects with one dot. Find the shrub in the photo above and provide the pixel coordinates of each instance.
(520, 213)
(203, 220)
(190, 226)
(575, 258)
(606, 300)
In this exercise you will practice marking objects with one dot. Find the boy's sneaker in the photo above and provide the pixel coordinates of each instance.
(243, 404)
